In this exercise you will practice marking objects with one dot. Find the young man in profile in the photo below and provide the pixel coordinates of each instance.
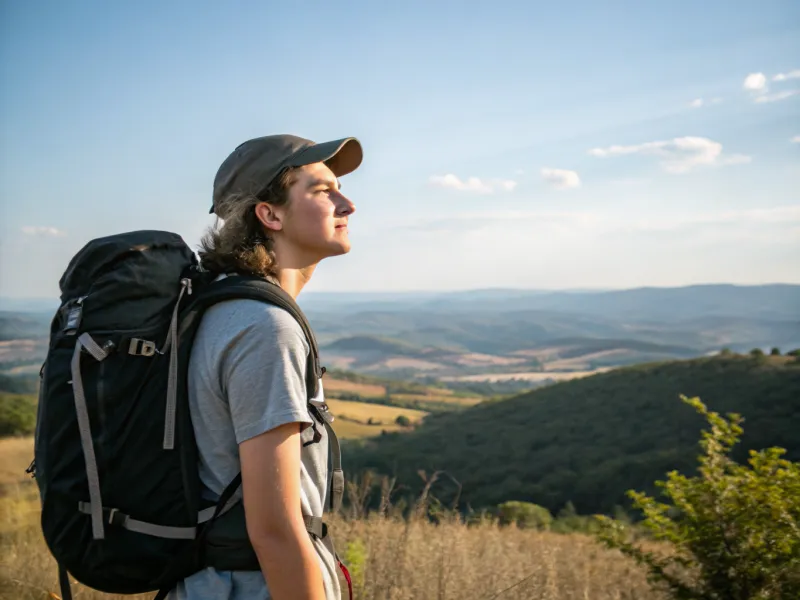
(282, 213)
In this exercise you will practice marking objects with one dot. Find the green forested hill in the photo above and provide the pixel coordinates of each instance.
(590, 440)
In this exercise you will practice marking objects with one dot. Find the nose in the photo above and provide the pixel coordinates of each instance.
(344, 206)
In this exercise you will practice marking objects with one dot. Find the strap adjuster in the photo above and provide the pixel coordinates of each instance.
(116, 517)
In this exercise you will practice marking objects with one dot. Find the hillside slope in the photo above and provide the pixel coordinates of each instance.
(590, 440)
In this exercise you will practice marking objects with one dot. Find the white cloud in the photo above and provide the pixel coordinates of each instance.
(472, 184)
(755, 82)
(42, 231)
(679, 155)
(776, 97)
(785, 76)
(561, 179)
(795, 139)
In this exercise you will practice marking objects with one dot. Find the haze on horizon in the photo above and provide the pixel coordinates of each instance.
(507, 145)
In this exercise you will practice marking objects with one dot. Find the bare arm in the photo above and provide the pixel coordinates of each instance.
(271, 487)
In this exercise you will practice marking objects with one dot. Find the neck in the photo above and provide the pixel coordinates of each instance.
(293, 280)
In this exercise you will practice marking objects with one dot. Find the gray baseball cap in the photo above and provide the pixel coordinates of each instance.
(252, 166)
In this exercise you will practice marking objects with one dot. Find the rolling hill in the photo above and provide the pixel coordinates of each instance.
(588, 441)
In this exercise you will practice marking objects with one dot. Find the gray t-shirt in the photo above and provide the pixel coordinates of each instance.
(247, 376)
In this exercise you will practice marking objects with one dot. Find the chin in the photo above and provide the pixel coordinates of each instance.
(337, 249)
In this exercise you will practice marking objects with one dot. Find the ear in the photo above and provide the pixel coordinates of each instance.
(269, 217)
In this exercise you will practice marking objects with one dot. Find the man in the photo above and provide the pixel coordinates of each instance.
(282, 213)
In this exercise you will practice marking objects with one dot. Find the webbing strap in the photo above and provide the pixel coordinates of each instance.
(172, 378)
(315, 525)
(63, 582)
(120, 519)
(337, 476)
(206, 514)
(92, 476)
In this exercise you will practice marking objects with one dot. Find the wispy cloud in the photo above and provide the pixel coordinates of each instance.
(777, 96)
(483, 220)
(629, 181)
(600, 223)
(786, 76)
(472, 184)
(795, 139)
(43, 231)
(679, 155)
(700, 102)
(561, 179)
(778, 215)
(758, 86)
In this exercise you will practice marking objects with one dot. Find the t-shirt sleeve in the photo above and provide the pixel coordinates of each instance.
(263, 372)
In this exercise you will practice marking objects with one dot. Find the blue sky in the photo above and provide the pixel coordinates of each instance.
(507, 144)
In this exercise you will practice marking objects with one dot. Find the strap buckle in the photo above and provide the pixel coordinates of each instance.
(115, 517)
(140, 347)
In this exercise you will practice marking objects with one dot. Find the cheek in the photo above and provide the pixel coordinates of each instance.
(312, 220)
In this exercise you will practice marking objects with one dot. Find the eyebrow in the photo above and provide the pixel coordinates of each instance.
(329, 182)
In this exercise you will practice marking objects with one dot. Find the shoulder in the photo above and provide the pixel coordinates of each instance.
(236, 320)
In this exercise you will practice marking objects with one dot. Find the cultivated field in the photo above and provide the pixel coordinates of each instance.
(365, 390)
(439, 399)
(380, 414)
(388, 557)
(370, 390)
(534, 376)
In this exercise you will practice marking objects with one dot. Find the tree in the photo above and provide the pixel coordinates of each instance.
(756, 352)
(775, 352)
(403, 421)
(734, 529)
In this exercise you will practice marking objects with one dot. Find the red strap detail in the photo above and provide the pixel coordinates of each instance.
(347, 577)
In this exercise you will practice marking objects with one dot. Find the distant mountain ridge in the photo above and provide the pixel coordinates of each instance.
(406, 334)
(775, 301)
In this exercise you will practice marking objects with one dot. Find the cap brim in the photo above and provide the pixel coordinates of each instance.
(342, 156)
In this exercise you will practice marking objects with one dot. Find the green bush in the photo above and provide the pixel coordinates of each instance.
(17, 414)
(525, 515)
(569, 521)
(403, 421)
(355, 559)
(733, 528)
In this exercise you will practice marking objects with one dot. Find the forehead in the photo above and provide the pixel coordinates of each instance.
(317, 173)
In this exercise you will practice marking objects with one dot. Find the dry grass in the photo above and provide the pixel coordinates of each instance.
(417, 559)
(388, 556)
(16, 453)
(379, 413)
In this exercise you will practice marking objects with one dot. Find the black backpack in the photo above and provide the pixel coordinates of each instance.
(115, 458)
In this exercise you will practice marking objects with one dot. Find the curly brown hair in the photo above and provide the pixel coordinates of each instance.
(241, 244)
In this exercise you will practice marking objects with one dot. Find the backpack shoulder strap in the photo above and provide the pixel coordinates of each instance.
(252, 288)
